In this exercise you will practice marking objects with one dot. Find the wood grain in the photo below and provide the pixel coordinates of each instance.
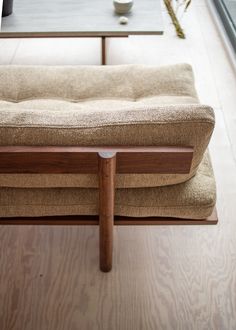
(165, 160)
(115, 148)
(107, 172)
(118, 220)
(169, 277)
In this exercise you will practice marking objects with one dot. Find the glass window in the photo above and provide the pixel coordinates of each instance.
(227, 11)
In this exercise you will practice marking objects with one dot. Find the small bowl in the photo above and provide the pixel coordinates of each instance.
(123, 6)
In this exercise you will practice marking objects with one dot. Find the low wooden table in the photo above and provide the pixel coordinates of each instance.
(80, 18)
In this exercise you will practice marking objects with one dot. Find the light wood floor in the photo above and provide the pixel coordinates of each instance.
(163, 277)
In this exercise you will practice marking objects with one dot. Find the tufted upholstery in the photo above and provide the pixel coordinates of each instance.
(89, 105)
(126, 82)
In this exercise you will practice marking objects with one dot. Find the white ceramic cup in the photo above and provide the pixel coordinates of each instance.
(123, 6)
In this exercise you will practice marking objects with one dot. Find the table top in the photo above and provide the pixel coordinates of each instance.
(45, 18)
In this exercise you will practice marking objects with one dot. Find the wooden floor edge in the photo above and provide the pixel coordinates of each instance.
(120, 221)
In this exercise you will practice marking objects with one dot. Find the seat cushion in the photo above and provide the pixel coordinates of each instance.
(117, 105)
(194, 199)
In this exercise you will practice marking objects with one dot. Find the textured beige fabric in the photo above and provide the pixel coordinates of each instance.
(117, 105)
(192, 199)
(18, 83)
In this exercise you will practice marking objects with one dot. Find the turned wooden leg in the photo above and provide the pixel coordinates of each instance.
(107, 170)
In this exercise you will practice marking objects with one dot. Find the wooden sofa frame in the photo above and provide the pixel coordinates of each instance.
(105, 161)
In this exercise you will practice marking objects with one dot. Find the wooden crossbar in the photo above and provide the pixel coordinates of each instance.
(106, 161)
(162, 160)
(93, 220)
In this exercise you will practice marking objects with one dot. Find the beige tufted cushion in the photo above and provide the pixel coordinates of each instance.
(19, 83)
(112, 105)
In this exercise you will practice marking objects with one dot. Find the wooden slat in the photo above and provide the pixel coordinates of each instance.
(153, 221)
(48, 162)
(48, 159)
(115, 148)
(122, 221)
(162, 162)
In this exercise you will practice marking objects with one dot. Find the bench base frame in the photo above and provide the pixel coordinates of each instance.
(106, 162)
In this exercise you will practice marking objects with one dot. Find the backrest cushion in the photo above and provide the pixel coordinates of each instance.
(19, 83)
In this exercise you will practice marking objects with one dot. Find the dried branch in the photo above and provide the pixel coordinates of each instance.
(178, 28)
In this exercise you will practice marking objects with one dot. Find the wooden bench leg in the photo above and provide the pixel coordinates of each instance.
(103, 50)
(107, 170)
